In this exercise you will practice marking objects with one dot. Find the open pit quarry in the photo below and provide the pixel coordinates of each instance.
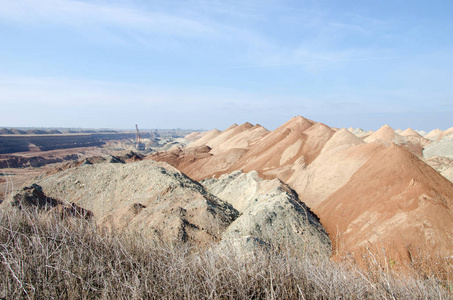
(46, 142)
(334, 192)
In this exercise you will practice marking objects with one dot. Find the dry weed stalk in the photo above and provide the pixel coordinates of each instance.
(46, 256)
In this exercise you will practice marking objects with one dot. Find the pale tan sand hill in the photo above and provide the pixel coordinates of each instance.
(329, 171)
(273, 145)
(175, 148)
(326, 168)
(414, 141)
(297, 123)
(385, 135)
(366, 134)
(359, 132)
(198, 162)
(228, 133)
(205, 139)
(266, 153)
(275, 153)
(231, 127)
(446, 133)
(270, 213)
(421, 132)
(196, 135)
(181, 158)
(272, 153)
(342, 138)
(434, 134)
(318, 135)
(437, 134)
(241, 138)
(184, 158)
(215, 165)
(409, 132)
(399, 131)
(394, 201)
(148, 197)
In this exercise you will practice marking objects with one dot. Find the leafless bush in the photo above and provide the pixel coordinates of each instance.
(44, 256)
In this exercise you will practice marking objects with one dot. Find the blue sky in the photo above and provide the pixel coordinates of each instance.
(208, 64)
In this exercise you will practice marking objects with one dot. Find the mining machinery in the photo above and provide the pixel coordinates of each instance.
(139, 145)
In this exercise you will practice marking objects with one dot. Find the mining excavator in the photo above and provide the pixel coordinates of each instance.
(139, 145)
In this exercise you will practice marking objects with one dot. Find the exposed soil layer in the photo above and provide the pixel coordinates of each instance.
(46, 142)
(18, 168)
(443, 165)
(251, 148)
(271, 213)
(394, 201)
(15, 161)
(443, 147)
(367, 191)
(152, 198)
(370, 192)
(32, 197)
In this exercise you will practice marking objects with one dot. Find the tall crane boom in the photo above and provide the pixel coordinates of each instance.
(138, 141)
(137, 135)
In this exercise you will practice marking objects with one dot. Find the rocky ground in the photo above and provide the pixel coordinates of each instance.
(359, 186)
(303, 184)
(152, 198)
(17, 168)
(156, 200)
(271, 213)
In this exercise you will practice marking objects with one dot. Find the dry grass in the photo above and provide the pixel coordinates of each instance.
(46, 257)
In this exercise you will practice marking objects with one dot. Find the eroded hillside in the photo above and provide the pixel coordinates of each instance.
(370, 190)
(367, 190)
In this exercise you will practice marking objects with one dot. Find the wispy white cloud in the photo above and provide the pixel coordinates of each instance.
(234, 32)
(83, 14)
(346, 26)
(155, 27)
(318, 61)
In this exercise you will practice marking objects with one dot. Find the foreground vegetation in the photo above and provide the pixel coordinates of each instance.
(44, 256)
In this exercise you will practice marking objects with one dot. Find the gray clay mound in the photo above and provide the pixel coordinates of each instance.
(444, 147)
(151, 198)
(272, 214)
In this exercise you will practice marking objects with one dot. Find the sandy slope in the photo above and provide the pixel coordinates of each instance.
(275, 154)
(149, 197)
(341, 157)
(359, 132)
(240, 138)
(385, 135)
(156, 200)
(446, 133)
(270, 213)
(443, 165)
(409, 138)
(204, 139)
(433, 134)
(194, 136)
(443, 147)
(413, 137)
(394, 200)
(367, 191)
